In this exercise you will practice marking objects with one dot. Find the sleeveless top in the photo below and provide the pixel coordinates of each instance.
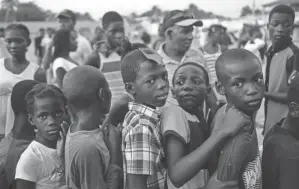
(61, 63)
(7, 82)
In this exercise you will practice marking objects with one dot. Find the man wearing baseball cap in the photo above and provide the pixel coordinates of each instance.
(67, 20)
(178, 27)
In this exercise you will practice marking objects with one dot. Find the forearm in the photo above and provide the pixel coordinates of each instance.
(114, 176)
(188, 166)
(47, 57)
(278, 97)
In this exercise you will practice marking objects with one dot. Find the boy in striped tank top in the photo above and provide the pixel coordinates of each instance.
(241, 81)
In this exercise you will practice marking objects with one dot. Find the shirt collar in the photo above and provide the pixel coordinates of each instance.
(279, 48)
(145, 110)
(166, 58)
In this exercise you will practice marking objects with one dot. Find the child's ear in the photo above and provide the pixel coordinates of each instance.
(209, 89)
(30, 119)
(130, 88)
(220, 88)
(28, 42)
(172, 92)
(101, 94)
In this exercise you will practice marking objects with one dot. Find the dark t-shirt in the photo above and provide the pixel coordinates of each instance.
(38, 46)
(280, 163)
(240, 159)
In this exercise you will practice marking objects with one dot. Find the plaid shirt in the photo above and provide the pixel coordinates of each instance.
(141, 146)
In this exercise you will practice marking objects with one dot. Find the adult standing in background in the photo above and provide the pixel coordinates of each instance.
(67, 20)
(38, 49)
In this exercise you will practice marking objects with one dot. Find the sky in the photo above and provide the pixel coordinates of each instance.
(97, 8)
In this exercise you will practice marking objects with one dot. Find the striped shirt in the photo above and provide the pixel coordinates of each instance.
(141, 146)
(210, 60)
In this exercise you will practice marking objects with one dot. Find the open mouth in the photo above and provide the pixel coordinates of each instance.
(162, 96)
(254, 103)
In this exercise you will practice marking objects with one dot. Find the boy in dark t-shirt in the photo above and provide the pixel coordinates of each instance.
(240, 79)
(280, 165)
(185, 133)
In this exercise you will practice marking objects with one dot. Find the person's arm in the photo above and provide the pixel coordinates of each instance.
(278, 97)
(47, 59)
(259, 43)
(140, 154)
(118, 110)
(270, 167)
(114, 177)
(181, 167)
(136, 181)
(24, 184)
(85, 49)
(89, 168)
(40, 75)
(60, 73)
(36, 46)
(27, 172)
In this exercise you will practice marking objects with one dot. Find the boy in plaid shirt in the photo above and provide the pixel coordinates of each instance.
(145, 78)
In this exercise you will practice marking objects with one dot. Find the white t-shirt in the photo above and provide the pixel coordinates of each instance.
(61, 63)
(45, 41)
(255, 47)
(41, 165)
(83, 50)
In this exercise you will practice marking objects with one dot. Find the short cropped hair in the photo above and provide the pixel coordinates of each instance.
(20, 27)
(130, 65)
(19, 91)
(111, 17)
(81, 85)
(207, 80)
(42, 91)
(232, 54)
(282, 9)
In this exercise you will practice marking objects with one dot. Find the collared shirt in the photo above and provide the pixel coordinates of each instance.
(141, 146)
(192, 55)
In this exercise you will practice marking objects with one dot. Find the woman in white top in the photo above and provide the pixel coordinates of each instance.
(256, 43)
(64, 43)
(13, 70)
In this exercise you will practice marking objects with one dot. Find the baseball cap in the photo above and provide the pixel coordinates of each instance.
(179, 18)
(293, 92)
(143, 53)
(66, 13)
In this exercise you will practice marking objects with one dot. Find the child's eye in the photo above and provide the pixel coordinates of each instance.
(151, 81)
(238, 84)
(43, 117)
(58, 114)
(197, 81)
(260, 79)
(165, 77)
(180, 82)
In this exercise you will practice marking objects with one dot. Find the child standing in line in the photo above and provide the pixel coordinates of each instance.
(90, 162)
(42, 164)
(145, 78)
(187, 144)
(240, 79)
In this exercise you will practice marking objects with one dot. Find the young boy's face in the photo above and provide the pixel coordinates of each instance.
(151, 86)
(243, 84)
(16, 42)
(48, 114)
(190, 87)
(115, 34)
(280, 27)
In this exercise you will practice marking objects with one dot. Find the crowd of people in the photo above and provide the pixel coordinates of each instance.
(110, 113)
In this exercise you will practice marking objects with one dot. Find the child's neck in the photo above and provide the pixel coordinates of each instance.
(46, 142)
(249, 114)
(19, 59)
(87, 120)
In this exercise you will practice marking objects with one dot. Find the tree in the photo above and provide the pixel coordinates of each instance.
(246, 11)
(10, 6)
